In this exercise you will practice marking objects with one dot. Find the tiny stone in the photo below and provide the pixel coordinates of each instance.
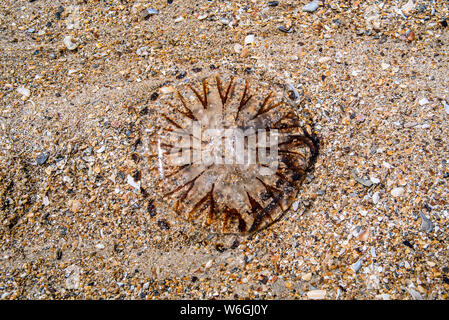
(307, 276)
(208, 264)
(421, 8)
(68, 41)
(132, 183)
(365, 182)
(250, 39)
(397, 192)
(426, 224)
(75, 205)
(163, 224)
(356, 266)
(145, 14)
(238, 48)
(376, 197)
(324, 59)
(167, 90)
(423, 101)
(408, 7)
(245, 52)
(310, 7)
(316, 294)
(42, 158)
(181, 75)
(374, 180)
(415, 294)
(446, 106)
(295, 205)
(385, 66)
(285, 30)
(25, 92)
(154, 96)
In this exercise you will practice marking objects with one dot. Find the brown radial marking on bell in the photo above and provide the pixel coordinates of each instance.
(244, 100)
(179, 169)
(297, 172)
(283, 177)
(183, 197)
(298, 139)
(229, 89)
(212, 212)
(290, 116)
(224, 96)
(270, 189)
(233, 213)
(185, 184)
(255, 206)
(171, 121)
(198, 95)
(197, 205)
(265, 213)
(188, 114)
(184, 103)
(262, 108)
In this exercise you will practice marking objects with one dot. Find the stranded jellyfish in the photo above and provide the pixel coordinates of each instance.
(229, 157)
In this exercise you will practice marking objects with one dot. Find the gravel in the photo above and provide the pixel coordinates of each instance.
(372, 77)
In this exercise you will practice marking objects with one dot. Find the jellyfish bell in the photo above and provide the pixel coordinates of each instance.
(239, 159)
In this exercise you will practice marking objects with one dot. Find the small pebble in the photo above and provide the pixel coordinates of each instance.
(426, 224)
(69, 43)
(25, 92)
(376, 197)
(316, 294)
(285, 30)
(365, 182)
(132, 183)
(295, 205)
(238, 48)
(356, 266)
(306, 276)
(408, 7)
(42, 158)
(446, 106)
(423, 101)
(245, 52)
(374, 180)
(145, 14)
(397, 192)
(415, 294)
(311, 6)
(250, 39)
